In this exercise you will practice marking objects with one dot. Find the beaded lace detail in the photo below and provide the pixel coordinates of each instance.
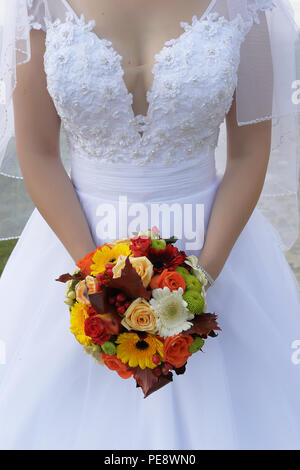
(195, 76)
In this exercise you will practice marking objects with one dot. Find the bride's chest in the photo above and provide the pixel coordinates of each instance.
(194, 72)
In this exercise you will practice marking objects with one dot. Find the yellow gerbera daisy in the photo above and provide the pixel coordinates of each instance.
(107, 255)
(78, 316)
(138, 350)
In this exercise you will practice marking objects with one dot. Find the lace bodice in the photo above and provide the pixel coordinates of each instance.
(195, 77)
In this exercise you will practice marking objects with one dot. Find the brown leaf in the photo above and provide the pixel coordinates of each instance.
(162, 381)
(212, 334)
(100, 302)
(149, 382)
(180, 370)
(145, 378)
(130, 283)
(204, 325)
(69, 277)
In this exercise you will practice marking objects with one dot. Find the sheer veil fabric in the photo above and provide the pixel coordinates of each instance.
(266, 90)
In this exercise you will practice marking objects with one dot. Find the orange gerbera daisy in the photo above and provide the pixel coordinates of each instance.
(85, 263)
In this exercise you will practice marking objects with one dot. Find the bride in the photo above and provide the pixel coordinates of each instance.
(142, 115)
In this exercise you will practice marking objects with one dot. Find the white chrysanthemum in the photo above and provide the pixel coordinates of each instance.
(171, 310)
(192, 261)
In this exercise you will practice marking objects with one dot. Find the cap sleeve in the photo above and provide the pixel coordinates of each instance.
(37, 12)
(267, 71)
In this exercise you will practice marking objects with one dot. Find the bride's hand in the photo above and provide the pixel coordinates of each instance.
(212, 271)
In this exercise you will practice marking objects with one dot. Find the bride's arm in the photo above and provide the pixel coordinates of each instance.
(248, 153)
(37, 128)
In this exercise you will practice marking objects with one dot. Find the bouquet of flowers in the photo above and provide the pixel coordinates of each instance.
(138, 306)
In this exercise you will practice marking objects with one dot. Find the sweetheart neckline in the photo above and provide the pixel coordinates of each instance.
(140, 117)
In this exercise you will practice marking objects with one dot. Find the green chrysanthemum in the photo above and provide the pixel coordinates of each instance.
(183, 272)
(195, 301)
(192, 283)
(109, 348)
(158, 244)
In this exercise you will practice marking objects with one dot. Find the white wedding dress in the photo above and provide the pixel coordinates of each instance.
(243, 392)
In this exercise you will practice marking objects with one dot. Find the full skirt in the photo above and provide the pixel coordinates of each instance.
(242, 392)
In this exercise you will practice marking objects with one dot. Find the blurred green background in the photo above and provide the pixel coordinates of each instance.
(5, 250)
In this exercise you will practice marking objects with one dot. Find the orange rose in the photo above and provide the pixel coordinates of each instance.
(113, 363)
(85, 263)
(176, 349)
(171, 279)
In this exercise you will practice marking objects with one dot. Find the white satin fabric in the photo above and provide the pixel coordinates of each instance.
(242, 393)
(178, 198)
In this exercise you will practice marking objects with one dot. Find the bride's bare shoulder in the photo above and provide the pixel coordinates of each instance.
(93, 8)
(106, 8)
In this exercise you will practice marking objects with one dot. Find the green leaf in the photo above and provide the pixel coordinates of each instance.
(171, 240)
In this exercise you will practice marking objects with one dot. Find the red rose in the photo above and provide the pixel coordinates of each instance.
(140, 246)
(96, 329)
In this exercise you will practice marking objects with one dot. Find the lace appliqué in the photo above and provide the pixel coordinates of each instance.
(195, 76)
(36, 14)
(255, 7)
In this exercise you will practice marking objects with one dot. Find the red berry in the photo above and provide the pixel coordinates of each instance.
(127, 305)
(109, 266)
(100, 277)
(121, 310)
(121, 297)
(157, 371)
(166, 367)
(156, 359)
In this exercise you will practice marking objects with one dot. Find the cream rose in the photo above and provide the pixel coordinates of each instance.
(126, 241)
(140, 316)
(193, 262)
(142, 265)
